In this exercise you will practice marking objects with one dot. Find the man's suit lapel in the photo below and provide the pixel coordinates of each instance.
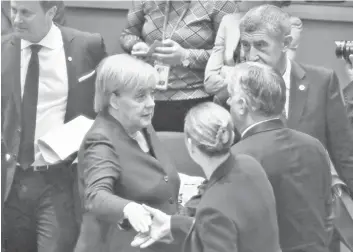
(297, 95)
(71, 71)
(13, 56)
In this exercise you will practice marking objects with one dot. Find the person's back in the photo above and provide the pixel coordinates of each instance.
(298, 169)
(246, 197)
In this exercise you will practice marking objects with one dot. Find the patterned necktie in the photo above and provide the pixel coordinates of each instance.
(29, 109)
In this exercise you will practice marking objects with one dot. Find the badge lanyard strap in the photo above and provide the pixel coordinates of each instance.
(166, 19)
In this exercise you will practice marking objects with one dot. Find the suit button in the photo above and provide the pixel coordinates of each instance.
(171, 201)
(166, 178)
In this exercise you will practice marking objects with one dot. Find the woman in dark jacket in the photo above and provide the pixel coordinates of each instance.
(121, 161)
(237, 211)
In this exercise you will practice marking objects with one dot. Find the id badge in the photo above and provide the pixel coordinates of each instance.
(163, 72)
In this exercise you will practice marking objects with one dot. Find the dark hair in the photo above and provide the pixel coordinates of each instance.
(47, 5)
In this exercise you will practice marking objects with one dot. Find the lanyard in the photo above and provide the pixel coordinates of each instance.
(166, 19)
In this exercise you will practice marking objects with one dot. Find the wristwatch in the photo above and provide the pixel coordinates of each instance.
(185, 61)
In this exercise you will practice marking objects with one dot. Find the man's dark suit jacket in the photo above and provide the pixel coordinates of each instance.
(149, 178)
(83, 52)
(348, 98)
(298, 169)
(237, 212)
(316, 108)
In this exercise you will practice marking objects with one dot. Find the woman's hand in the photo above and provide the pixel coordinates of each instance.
(160, 230)
(140, 48)
(226, 70)
(139, 217)
(171, 53)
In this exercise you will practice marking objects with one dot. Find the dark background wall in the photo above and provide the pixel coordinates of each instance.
(322, 26)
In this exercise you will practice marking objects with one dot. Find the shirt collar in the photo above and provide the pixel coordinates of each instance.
(253, 125)
(286, 75)
(52, 40)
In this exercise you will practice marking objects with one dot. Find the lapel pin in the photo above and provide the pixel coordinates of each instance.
(7, 157)
(69, 58)
(301, 87)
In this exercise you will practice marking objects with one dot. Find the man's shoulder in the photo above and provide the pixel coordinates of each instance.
(71, 32)
(269, 142)
(308, 68)
(313, 71)
(303, 137)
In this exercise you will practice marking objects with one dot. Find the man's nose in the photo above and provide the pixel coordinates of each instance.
(253, 54)
(16, 18)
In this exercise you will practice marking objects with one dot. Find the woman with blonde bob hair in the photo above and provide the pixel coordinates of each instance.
(237, 211)
(121, 161)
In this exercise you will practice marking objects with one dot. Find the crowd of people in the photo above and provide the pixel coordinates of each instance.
(273, 137)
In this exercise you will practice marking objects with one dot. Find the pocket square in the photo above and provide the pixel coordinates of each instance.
(86, 76)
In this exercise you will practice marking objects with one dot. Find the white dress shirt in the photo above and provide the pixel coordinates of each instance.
(286, 78)
(53, 84)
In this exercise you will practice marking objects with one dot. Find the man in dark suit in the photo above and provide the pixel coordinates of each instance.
(314, 103)
(297, 164)
(47, 79)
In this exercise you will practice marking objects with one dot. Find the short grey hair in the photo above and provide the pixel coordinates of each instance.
(210, 127)
(271, 19)
(119, 74)
(262, 86)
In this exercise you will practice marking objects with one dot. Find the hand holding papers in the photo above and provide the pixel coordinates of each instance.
(61, 142)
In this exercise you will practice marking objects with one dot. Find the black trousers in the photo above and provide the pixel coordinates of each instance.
(39, 212)
(170, 115)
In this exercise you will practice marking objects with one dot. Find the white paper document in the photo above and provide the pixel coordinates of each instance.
(61, 142)
(188, 187)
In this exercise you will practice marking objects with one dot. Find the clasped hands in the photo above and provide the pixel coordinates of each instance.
(170, 52)
(151, 224)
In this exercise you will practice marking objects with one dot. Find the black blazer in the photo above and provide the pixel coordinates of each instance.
(107, 151)
(298, 169)
(316, 108)
(237, 212)
(83, 52)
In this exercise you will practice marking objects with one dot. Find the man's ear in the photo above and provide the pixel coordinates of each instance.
(243, 106)
(287, 42)
(52, 12)
(113, 101)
